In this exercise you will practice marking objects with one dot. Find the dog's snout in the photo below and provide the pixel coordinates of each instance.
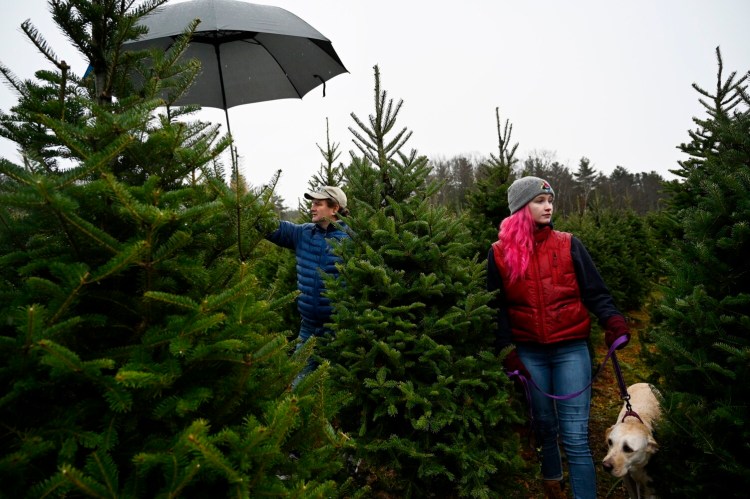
(607, 466)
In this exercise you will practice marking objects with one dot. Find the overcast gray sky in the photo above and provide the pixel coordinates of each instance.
(603, 79)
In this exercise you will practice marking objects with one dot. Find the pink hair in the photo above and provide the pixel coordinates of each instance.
(517, 239)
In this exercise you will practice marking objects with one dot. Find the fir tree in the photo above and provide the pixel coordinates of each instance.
(329, 173)
(429, 403)
(488, 200)
(140, 356)
(586, 182)
(703, 327)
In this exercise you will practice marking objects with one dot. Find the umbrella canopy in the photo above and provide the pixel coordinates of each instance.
(248, 52)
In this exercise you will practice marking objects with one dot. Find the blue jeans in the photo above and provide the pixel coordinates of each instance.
(560, 369)
(307, 330)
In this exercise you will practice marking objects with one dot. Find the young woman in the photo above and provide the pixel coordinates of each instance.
(546, 286)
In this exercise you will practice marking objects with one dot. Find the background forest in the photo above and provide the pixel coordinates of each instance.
(147, 328)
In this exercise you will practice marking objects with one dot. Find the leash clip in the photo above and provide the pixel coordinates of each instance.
(629, 409)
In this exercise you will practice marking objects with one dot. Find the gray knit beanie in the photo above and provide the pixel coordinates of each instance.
(524, 190)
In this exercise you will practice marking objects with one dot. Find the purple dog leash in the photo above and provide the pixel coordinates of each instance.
(618, 374)
(610, 353)
(624, 395)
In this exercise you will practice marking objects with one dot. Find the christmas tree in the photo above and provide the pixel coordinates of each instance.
(141, 356)
(703, 327)
(429, 404)
(488, 200)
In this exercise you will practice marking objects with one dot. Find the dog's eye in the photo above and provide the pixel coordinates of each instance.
(627, 448)
(609, 442)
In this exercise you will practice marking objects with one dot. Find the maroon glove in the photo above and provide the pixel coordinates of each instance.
(614, 328)
(512, 362)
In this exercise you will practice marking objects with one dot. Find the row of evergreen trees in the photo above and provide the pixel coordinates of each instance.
(145, 347)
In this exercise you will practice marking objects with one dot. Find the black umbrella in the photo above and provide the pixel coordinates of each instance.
(248, 52)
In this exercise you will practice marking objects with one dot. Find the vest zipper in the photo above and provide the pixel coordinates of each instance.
(554, 267)
(540, 299)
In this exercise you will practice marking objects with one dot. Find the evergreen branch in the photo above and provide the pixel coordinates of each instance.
(217, 301)
(177, 241)
(191, 212)
(197, 438)
(126, 29)
(81, 482)
(56, 486)
(33, 326)
(172, 299)
(15, 172)
(281, 301)
(123, 196)
(180, 76)
(91, 231)
(270, 348)
(738, 354)
(142, 8)
(107, 469)
(713, 366)
(96, 162)
(184, 480)
(70, 298)
(202, 324)
(397, 143)
(59, 357)
(13, 82)
(364, 128)
(39, 42)
(118, 399)
(193, 400)
(140, 379)
(127, 255)
(282, 419)
(365, 148)
(330, 153)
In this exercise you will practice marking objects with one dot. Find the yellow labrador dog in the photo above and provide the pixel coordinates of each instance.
(631, 442)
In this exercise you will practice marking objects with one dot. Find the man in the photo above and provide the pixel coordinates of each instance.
(311, 243)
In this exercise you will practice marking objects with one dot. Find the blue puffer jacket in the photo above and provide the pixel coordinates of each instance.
(311, 245)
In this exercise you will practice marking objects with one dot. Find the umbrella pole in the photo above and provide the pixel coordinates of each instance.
(235, 165)
(226, 110)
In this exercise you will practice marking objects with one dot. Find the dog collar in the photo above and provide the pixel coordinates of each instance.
(631, 412)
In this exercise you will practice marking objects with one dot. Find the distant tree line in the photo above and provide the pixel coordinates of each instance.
(642, 192)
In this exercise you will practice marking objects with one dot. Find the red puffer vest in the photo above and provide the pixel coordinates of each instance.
(545, 305)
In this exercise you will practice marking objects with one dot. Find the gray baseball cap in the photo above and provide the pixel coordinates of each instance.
(328, 192)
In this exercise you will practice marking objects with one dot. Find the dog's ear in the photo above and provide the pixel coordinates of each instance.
(609, 430)
(652, 446)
